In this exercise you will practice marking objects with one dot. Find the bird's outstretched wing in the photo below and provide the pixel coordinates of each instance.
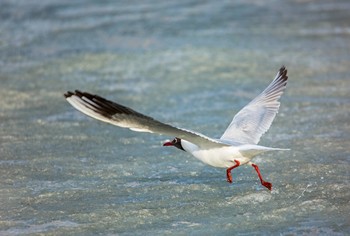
(250, 123)
(107, 111)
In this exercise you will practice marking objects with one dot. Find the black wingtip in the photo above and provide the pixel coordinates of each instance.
(76, 93)
(283, 69)
(68, 94)
(283, 72)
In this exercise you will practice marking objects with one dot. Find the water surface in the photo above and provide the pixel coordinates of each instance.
(190, 63)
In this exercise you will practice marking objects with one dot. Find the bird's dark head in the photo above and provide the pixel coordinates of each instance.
(176, 143)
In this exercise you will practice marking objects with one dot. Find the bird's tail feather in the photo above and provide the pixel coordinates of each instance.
(253, 150)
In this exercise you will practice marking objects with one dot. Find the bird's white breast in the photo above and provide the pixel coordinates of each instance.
(218, 157)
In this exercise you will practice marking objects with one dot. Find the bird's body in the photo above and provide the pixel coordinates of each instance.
(223, 157)
(237, 146)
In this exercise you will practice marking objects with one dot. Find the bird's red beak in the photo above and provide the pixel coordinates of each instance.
(168, 144)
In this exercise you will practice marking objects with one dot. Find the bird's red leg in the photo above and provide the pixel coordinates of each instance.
(228, 171)
(264, 183)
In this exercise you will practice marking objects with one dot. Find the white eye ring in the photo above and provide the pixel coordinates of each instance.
(176, 140)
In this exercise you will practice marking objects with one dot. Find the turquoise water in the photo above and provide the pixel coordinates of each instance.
(192, 64)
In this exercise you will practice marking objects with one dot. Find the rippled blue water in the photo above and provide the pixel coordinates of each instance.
(190, 63)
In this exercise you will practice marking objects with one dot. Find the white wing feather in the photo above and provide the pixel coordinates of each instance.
(250, 123)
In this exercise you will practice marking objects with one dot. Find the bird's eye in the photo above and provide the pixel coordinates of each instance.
(174, 141)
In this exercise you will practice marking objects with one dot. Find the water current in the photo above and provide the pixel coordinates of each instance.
(192, 64)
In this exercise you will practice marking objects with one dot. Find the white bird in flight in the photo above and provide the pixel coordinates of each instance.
(236, 147)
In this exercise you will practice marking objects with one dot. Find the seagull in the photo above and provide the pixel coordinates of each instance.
(237, 146)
